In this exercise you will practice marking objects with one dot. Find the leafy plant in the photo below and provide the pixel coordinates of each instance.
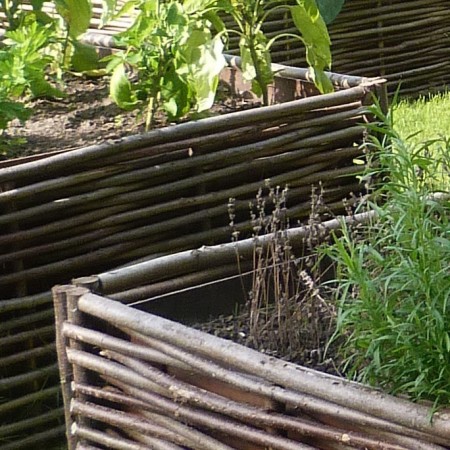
(15, 14)
(173, 54)
(76, 16)
(393, 274)
(330, 9)
(24, 61)
(23, 65)
(249, 18)
(31, 53)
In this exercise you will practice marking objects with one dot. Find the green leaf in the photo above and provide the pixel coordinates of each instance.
(321, 80)
(40, 87)
(216, 21)
(120, 89)
(329, 9)
(76, 14)
(176, 95)
(315, 36)
(314, 32)
(84, 58)
(204, 61)
(108, 10)
(126, 8)
(12, 110)
(256, 67)
(175, 15)
(194, 6)
(247, 65)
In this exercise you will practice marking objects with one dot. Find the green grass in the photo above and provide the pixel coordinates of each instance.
(425, 123)
(429, 117)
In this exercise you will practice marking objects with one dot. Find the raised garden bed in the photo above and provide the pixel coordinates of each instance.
(95, 208)
(132, 379)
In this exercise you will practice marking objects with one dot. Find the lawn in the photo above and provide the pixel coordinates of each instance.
(424, 124)
(428, 116)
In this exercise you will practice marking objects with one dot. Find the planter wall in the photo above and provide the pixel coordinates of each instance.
(160, 192)
(134, 380)
(76, 213)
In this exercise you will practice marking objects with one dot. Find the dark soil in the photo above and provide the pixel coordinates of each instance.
(309, 339)
(86, 116)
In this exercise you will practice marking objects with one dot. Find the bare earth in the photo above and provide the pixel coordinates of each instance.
(86, 116)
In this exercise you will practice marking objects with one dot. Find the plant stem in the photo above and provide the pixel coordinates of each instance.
(259, 75)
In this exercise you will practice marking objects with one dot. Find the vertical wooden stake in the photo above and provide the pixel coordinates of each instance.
(65, 368)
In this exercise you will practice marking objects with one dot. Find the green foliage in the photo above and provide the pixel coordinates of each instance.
(249, 18)
(176, 58)
(394, 285)
(31, 53)
(424, 118)
(76, 15)
(314, 32)
(329, 9)
(24, 60)
(10, 110)
(23, 64)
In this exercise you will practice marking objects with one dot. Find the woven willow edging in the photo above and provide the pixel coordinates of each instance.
(165, 385)
(405, 41)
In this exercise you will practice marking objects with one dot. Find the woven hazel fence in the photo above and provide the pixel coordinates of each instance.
(90, 210)
(166, 190)
(134, 380)
(406, 42)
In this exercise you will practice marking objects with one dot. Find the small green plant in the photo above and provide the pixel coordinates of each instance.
(393, 273)
(24, 62)
(34, 52)
(249, 18)
(174, 50)
(15, 13)
(176, 59)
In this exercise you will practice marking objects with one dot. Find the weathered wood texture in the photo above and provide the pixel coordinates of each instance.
(165, 385)
(93, 209)
(102, 206)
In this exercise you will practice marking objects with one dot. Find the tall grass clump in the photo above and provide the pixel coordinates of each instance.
(393, 274)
